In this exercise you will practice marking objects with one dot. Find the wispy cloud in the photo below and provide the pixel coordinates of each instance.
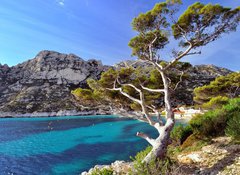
(61, 2)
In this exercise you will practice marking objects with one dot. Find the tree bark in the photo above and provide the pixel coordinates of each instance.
(161, 143)
(159, 148)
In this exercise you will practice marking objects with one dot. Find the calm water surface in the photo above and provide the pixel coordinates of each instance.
(67, 145)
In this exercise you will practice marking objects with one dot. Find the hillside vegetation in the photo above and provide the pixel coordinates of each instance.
(210, 143)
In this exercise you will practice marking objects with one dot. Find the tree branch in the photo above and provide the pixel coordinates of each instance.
(129, 85)
(150, 48)
(159, 67)
(153, 108)
(125, 94)
(179, 57)
(152, 90)
(193, 53)
(180, 80)
(146, 137)
(235, 92)
(140, 101)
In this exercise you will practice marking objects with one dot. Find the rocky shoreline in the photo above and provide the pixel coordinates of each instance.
(50, 114)
(62, 113)
(120, 113)
(86, 112)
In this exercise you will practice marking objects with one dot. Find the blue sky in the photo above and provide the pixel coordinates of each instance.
(99, 29)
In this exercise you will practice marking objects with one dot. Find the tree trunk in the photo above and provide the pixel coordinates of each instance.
(161, 143)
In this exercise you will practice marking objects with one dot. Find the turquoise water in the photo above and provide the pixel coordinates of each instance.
(67, 145)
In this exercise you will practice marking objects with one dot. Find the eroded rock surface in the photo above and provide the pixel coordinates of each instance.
(219, 158)
(44, 83)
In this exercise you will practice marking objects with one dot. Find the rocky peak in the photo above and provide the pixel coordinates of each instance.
(49, 57)
(45, 82)
(57, 67)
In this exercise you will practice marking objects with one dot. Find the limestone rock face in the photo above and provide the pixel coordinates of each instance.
(196, 76)
(44, 83)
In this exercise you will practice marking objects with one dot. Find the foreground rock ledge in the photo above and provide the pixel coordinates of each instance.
(221, 157)
(118, 167)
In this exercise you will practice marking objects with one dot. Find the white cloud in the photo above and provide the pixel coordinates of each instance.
(61, 2)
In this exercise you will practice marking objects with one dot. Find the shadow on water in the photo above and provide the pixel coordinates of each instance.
(98, 141)
(18, 129)
(91, 154)
(67, 146)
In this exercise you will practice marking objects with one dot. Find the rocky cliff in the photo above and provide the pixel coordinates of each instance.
(196, 76)
(44, 83)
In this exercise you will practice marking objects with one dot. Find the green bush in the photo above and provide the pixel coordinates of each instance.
(216, 102)
(104, 171)
(225, 86)
(233, 127)
(214, 122)
(193, 143)
(211, 123)
(154, 167)
(180, 133)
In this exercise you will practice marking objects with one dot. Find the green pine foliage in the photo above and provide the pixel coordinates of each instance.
(180, 133)
(216, 102)
(100, 90)
(210, 21)
(233, 127)
(86, 94)
(104, 171)
(214, 122)
(224, 86)
(197, 26)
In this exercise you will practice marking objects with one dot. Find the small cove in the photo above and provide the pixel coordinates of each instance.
(67, 145)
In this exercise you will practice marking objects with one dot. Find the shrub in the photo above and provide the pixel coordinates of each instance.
(193, 143)
(154, 167)
(227, 86)
(104, 171)
(180, 133)
(85, 94)
(214, 122)
(216, 102)
(233, 127)
(211, 123)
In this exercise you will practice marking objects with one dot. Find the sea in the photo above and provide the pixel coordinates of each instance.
(67, 145)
